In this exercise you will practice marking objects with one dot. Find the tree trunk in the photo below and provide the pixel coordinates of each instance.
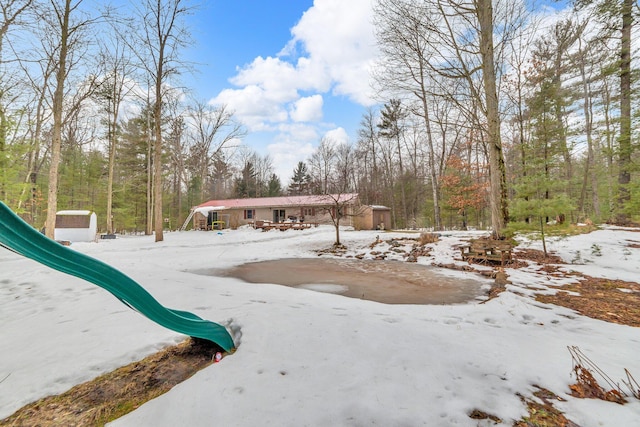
(56, 141)
(157, 158)
(624, 153)
(112, 161)
(498, 190)
(589, 166)
(149, 206)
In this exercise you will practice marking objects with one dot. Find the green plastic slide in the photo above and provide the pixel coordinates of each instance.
(20, 237)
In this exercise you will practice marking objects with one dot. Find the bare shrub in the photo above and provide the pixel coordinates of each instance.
(587, 386)
(428, 238)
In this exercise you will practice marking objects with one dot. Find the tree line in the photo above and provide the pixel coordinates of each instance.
(493, 116)
(486, 118)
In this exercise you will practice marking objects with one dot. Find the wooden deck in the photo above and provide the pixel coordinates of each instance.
(283, 226)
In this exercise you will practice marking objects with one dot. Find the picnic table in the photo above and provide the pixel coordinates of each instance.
(487, 250)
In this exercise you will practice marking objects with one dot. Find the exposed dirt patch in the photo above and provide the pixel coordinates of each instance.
(477, 414)
(119, 392)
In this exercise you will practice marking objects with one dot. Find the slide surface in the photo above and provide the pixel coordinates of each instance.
(20, 237)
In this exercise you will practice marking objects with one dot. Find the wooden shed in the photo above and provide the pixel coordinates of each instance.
(374, 217)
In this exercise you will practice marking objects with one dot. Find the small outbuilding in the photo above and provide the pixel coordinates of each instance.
(76, 226)
(374, 217)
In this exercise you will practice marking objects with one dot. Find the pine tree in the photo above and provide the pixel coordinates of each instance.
(300, 180)
(274, 188)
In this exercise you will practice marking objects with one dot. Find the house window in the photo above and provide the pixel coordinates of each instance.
(249, 213)
(309, 212)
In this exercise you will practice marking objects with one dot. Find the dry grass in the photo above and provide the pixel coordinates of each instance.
(601, 299)
(542, 413)
(426, 238)
(117, 393)
(613, 301)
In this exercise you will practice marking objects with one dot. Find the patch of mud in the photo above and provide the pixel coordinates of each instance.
(119, 392)
(390, 282)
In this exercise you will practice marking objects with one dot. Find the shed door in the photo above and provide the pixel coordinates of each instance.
(213, 216)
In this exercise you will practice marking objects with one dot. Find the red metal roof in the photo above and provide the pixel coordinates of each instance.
(260, 202)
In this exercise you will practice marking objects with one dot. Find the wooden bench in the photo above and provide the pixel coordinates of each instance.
(485, 251)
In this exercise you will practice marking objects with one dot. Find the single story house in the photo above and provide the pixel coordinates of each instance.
(317, 209)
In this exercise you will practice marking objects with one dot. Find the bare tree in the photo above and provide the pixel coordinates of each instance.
(392, 127)
(161, 38)
(368, 182)
(211, 128)
(403, 33)
(342, 205)
(36, 83)
(115, 57)
(66, 26)
(498, 189)
(12, 12)
(321, 165)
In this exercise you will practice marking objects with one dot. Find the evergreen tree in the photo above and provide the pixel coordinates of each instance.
(300, 180)
(245, 185)
(274, 188)
(391, 127)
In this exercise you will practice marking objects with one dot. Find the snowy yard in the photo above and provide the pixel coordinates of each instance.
(312, 358)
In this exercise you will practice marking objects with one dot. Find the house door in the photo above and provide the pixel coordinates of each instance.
(278, 215)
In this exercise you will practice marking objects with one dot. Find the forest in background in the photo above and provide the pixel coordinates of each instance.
(489, 115)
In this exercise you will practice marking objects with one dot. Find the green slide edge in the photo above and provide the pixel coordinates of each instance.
(20, 237)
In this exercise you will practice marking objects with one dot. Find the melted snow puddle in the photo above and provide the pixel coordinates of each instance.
(391, 282)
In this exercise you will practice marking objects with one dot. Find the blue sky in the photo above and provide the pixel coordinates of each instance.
(293, 71)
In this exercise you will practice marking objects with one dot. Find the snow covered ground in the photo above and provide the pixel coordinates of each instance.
(312, 358)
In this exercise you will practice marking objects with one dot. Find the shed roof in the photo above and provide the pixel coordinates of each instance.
(74, 212)
(263, 202)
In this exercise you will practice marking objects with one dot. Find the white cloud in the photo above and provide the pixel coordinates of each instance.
(331, 50)
(308, 109)
(337, 135)
(255, 107)
(340, 35)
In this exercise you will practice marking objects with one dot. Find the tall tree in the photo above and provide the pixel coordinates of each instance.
(245, 185)
(61, 20)
(625, 145)
(12, 11)
(498, 190)
(116, 60)
(162, 38)
(321, 164)
(369, 180)
(211, 128)
(618, 16)
(403, 33)
(392, 127)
